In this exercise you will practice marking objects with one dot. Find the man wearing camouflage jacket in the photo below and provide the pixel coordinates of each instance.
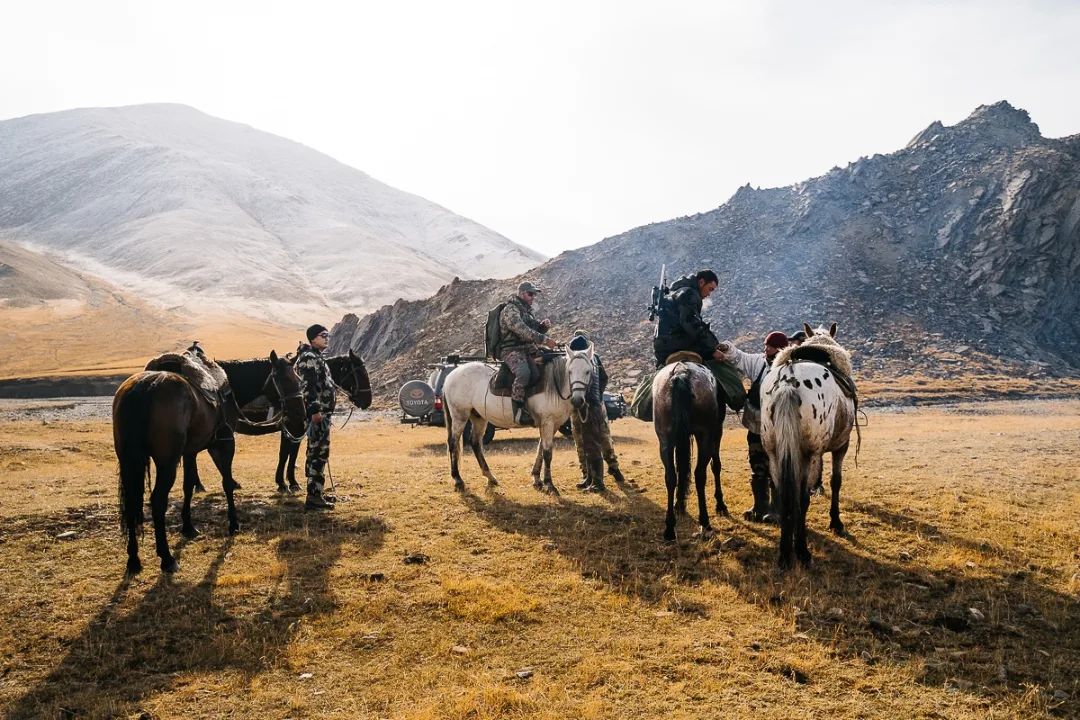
(521, 334)
(319, 399)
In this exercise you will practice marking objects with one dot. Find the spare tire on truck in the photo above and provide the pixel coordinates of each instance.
(416, 398)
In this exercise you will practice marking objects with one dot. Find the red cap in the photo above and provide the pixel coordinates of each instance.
(776, 339)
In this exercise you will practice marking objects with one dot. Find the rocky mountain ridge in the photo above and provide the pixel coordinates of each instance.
(956, 254)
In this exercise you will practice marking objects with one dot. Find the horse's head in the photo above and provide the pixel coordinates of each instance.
(287, 384)
(821, 330)
(356, 383)
(579, 368)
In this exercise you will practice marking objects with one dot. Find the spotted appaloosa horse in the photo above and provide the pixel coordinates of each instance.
(685, 406)
(805, 413)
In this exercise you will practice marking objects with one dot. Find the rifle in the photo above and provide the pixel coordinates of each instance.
(658, 296)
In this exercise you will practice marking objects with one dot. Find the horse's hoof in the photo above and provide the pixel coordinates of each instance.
(818, 490)
(838, 528)
(584, 484)
(669, 535)
(459, 484)
(235, 485)
(805, 557)
(199, 488)
(537, 484)
(283, 489)
(294, 489)
(234, 528)
(492, 482)
(721, 509)
(134, 566)
(550, 489)
(705, 533)
(596, 488)
(170, 565)
(190, 532)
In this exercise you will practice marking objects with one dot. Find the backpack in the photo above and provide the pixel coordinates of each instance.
(493, 332)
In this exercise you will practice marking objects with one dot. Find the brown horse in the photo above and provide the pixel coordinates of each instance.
(685, 406)
(163, 416)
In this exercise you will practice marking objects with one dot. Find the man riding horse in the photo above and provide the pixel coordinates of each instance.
(521, 336)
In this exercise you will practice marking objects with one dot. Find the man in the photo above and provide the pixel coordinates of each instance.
(681, 328)
(797, 338)
(755, 367)
(680, 324)
(521, 336)
(592, 435)
(319, 399)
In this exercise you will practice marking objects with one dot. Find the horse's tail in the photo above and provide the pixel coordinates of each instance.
(131, 420)
(785, 412)
(682, 405)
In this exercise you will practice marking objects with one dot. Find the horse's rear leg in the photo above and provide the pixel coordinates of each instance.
(222, 451)
(159, 502)
(190, 479)
(454, 428)
(834, 508)
(813, 470)
(701, 478)
(476, 439)
(667, 456)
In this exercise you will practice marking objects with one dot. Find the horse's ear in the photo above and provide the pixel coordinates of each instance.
(273, 356)
(352, 355)
(832, 330)
(808, 330)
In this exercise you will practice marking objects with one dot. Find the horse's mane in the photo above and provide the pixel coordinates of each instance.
(247, 377)
(841, 358)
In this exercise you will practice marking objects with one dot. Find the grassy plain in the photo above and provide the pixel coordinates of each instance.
(957, 594)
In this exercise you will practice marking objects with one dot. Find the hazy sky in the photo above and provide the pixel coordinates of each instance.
(559, 123)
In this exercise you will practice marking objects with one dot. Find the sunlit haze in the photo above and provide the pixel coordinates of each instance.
(559, 123)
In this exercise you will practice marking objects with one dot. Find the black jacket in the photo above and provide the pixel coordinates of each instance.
(680, 324)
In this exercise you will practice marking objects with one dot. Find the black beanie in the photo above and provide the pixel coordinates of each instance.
(313, 331)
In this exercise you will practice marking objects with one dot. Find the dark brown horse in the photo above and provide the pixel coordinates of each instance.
(252, 385)
(163, 416)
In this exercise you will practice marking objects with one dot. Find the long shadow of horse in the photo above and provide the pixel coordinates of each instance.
(124, 656)
(867, 606)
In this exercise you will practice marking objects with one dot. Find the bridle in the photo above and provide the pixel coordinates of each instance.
(283, 399)
(574, 384)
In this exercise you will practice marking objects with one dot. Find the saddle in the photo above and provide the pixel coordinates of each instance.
(683, 356)
(502, 381)
(202, 373)
(821, 356)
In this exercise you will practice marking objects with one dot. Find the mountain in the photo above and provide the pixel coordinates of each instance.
(206, 216)
(955, 258)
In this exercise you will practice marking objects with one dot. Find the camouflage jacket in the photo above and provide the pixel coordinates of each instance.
(318, 387)
(520, 328)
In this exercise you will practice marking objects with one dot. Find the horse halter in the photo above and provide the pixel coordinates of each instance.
(282, 398)
(579, 384)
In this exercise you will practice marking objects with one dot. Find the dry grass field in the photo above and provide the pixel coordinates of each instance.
(957, 594)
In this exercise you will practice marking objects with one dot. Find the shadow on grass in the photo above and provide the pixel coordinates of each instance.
(127, 654)
(866, 607)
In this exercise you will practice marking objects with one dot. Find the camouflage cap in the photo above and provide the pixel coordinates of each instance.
(528, 287)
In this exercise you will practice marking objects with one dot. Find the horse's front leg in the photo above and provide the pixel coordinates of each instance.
(721, 507)
(834, 484)
(284, 448)
(454, 427)
(547, 442)
(476, 439)
(159, 503)
(222, 451)
(191, 477)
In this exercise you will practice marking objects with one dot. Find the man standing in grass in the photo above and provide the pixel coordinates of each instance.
(319, 400)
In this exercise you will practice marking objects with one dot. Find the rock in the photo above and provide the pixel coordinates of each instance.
(976, 614)
(524, 673)
(69, 535)
(835, 613)
(881, 627)
(954, 620)
(306, 675)
(460, 650)
(417, 559)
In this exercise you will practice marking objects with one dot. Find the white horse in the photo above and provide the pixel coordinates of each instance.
(805, 413)
(467, 395)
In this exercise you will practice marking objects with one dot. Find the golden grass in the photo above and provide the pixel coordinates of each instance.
(305, 616)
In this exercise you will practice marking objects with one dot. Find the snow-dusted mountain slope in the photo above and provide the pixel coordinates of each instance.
(193, 211)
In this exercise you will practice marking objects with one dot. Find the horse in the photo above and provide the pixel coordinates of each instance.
(257, 397)
(467, 395)
(807, 409)
(686, 405)
(163, 415)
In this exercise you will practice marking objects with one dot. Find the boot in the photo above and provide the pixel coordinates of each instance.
(317, 501)
(521, 414)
